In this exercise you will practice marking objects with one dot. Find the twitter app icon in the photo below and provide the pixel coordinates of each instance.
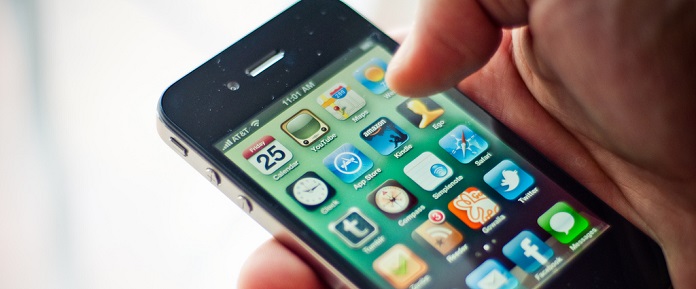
(508, 179)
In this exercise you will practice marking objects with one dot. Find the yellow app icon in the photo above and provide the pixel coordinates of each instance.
(421, 112)
(400, 266)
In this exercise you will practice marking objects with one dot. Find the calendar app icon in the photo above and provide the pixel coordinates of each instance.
(267, 155)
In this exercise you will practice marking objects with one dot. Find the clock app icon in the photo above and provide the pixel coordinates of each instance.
(310, 190)
(392, 199)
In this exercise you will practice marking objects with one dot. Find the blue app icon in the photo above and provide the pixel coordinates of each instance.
(384, 136)
(528, 251)
(508, 179)
(348, 163)
(491, 274)
(463, 144)
(371, 75)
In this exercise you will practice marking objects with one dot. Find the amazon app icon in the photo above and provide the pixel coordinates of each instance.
(508, 179)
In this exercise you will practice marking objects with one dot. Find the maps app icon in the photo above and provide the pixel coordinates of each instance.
(341, 102)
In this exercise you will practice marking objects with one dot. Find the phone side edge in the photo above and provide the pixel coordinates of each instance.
(329, 273)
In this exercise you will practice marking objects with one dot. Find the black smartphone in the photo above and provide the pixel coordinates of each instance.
(296, 125)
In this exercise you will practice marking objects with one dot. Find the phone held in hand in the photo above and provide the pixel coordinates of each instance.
(295, 124)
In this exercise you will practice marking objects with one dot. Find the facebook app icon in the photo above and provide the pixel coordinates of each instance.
(528, 251)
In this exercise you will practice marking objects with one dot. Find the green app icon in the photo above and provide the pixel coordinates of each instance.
(563, 222)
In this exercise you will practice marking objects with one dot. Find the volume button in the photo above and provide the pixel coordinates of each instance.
(213, 176)
(244, 203)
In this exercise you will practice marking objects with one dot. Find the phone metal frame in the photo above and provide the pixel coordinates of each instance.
(331, 275)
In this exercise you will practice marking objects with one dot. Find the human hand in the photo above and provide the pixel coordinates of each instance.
(605, 89)
(609, 94)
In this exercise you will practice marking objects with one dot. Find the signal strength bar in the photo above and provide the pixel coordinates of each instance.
(228, 144)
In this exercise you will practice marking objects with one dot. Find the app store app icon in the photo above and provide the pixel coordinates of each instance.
(348, 163)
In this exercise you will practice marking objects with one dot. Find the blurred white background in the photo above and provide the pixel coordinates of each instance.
(90, 197)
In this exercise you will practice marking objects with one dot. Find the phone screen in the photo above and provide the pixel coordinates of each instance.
(413, 192)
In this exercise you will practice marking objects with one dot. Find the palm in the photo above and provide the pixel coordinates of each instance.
(557, 123)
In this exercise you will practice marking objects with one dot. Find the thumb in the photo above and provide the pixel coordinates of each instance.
(451, 39)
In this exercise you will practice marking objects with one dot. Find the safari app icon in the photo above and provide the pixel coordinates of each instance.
(563, 223)
(508, 179)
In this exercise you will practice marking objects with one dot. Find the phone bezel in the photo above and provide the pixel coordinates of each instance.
(200, 110)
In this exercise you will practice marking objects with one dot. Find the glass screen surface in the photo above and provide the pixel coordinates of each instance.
(414, 192)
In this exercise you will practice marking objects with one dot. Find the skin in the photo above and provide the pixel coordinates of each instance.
(606, 89)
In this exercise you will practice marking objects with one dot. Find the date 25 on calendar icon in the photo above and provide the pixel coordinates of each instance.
(267, 155)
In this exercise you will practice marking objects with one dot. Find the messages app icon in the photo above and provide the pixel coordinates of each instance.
(508, 179)
(563, 222)
(491, 274)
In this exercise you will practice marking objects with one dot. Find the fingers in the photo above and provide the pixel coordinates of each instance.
(451, 39)
(272, 266)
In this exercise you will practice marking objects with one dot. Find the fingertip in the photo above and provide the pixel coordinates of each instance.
(272, 266)
(451, 40)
